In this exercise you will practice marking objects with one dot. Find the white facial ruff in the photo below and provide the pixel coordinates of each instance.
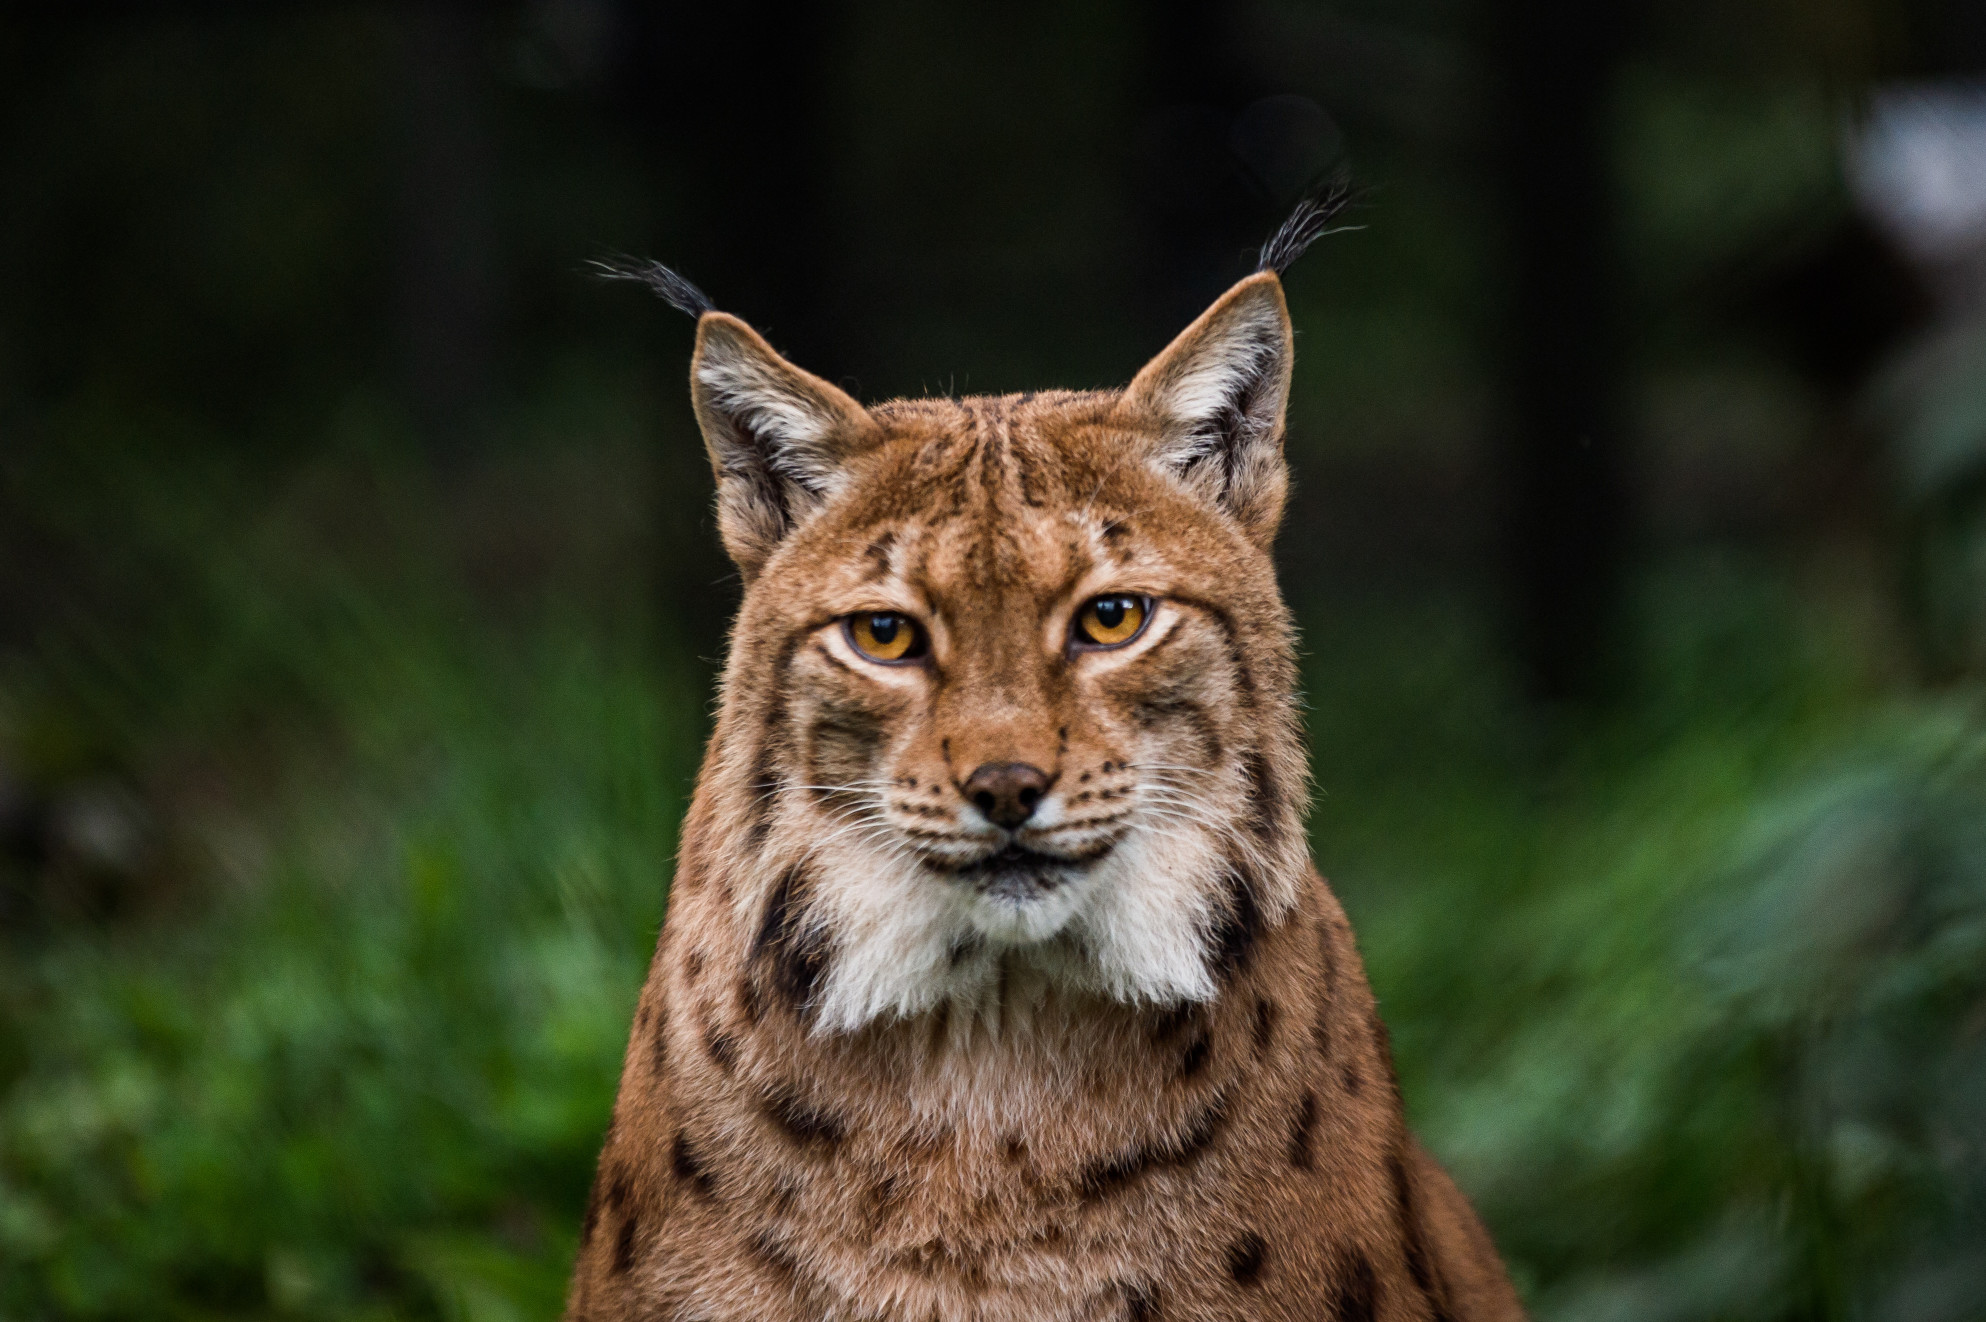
(1132, 927)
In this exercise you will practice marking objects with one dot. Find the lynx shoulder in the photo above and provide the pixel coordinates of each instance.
(996, 982)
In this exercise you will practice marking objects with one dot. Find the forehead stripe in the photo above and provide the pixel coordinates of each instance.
(878, 553)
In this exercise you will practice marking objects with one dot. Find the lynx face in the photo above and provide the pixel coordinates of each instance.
(1007, 713)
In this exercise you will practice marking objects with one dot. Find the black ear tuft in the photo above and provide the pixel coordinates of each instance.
(664, 283)
(1310, 222)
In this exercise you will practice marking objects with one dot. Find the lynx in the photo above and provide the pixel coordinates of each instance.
(996, 982)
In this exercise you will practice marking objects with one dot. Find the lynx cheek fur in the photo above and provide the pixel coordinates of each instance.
(996, 982)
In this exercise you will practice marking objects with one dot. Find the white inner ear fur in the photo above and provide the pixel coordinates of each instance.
(782, 409)
(1227, 375)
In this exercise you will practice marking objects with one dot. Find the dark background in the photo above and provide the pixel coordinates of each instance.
(360, 598)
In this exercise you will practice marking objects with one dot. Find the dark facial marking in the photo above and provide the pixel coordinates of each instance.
(807, 1125)
(1195, 1059)
(722, 1048)
(1024, 476)
(878, 554)
(1353, 1299)
(1301, 1156)
(1163, 710)
(944, 466)
(1141, 1303)
(775, 678)
(763, 789)
(624, 1244)
(1111, 1174)
(1233, 939)
(749, 1003)
(1265, 1025)
(842, 744)
(795, 951)
(1265, 796)
(995, 461)
(1237, 655)
(834, 662)
(774, 1255)
(688, 1165)
(762, 792)
(883, 1197)
(1244, 1259)
(968, 456)
(1167, 1025)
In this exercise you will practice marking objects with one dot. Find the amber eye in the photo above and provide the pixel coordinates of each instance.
(885, 636)
(1111, 621)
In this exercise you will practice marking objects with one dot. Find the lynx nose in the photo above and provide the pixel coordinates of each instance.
(1006, 792)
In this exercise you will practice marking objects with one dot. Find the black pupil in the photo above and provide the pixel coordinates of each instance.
(883, 628)
(1110, 611)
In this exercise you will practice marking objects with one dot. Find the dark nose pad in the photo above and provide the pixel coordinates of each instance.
(1006, 792)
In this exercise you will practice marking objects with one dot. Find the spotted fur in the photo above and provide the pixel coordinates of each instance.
(895, 1060)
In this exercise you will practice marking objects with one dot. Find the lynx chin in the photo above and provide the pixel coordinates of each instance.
(996, 982)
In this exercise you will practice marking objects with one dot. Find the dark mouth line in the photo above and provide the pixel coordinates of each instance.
(1018, 870)
(1011, 858)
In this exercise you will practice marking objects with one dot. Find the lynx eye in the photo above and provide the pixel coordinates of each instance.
(1111, 620)
(885, 636)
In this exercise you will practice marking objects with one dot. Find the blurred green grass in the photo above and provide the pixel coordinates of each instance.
(361, 1061)
(1692, 1004)
(1689, 996)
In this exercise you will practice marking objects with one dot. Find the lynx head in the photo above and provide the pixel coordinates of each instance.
(1009, 705)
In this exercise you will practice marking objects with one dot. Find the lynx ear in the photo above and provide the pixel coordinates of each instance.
(1214, 401)
(777, 436)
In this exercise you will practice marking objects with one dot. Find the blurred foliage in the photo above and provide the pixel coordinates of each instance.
(367, 1062)
(1932, 400)
(1701, 1018)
